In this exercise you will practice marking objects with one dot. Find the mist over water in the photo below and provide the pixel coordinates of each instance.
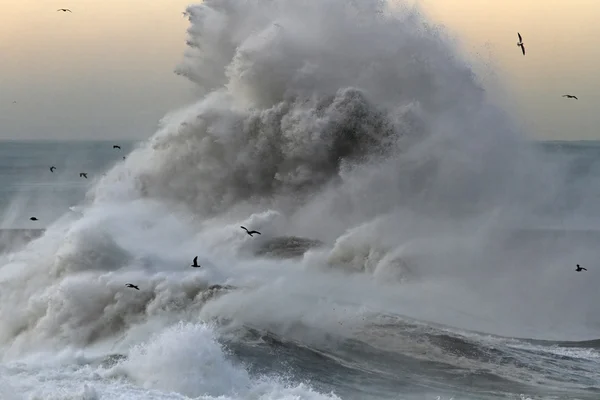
(353, 124)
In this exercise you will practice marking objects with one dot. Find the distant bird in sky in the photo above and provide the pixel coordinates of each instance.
(52, 168)
(195, 264)
(64, 10)
(579, 269)
(249, 232)
(568, 96)
(14, 102)
(33, 218)
(83, 175)
(116, 146)
(520, 44)
(130, 285)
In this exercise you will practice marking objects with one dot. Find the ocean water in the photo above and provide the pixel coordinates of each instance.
(414, 243)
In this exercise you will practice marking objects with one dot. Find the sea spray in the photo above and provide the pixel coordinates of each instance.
(350, 124)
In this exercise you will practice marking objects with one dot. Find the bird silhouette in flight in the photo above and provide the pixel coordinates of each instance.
(568, 96)
(130, 285)
(83, 175)
(195, 264)
(33, 218)
(521, 44)
(579, 269)
(64, 10)
(52, 168)
(116, 146)
(249, 232)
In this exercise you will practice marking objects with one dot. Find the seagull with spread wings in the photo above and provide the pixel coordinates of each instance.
(521, 44)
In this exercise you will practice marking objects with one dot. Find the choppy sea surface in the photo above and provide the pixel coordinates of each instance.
(415, 244)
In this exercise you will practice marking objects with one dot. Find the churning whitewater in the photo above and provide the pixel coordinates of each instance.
(404, 239)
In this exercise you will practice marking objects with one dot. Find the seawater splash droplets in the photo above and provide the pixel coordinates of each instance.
(336, 86)
(187, 359)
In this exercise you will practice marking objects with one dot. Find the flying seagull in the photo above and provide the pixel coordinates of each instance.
(568, 96)
(195, 264)
(249, 232)
(130, 285)
(116, 146)
(579, 269)
(52, 168)
(33, 218)
(83, 175)
(64, 10)
(520, 44)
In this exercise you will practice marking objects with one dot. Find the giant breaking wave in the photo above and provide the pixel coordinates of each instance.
(352, 124)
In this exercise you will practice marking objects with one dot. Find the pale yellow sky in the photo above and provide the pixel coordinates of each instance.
(562, 56)
(103, 71)
(106, 70)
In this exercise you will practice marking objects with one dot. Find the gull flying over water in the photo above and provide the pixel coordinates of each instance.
(116, 146)
(130, 285)
(64, 10)
(568, 96)
(520, 44)
(249, 232)
(195, 264)
(579, 269)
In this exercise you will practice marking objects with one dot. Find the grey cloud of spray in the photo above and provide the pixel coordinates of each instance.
(359, 122)
(349, 122)
(298, 93)
(361, 125)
